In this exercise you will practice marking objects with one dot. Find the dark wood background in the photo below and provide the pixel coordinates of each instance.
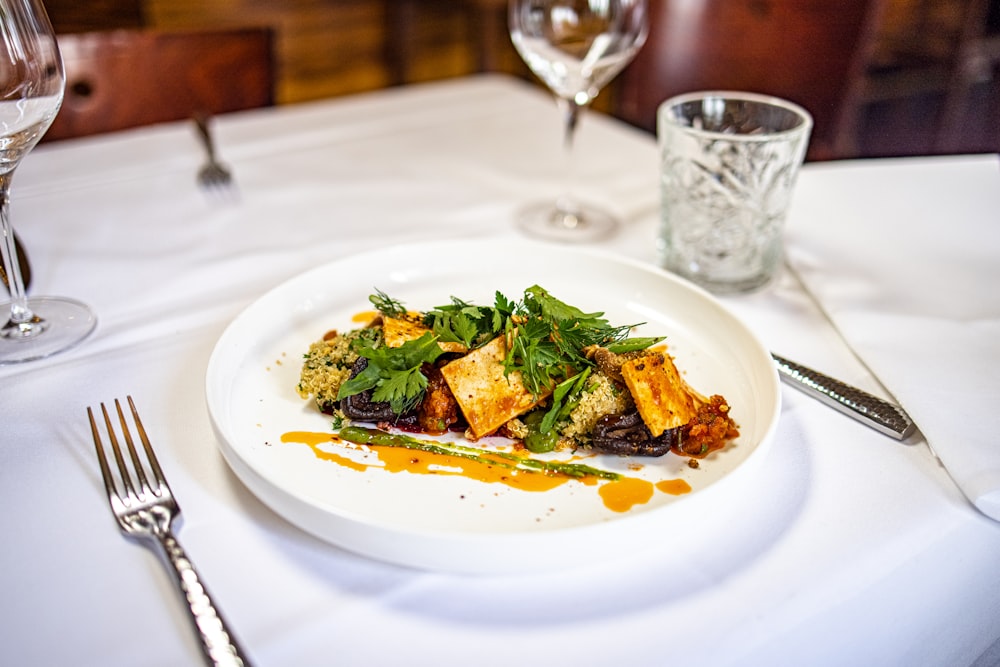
(336, 47)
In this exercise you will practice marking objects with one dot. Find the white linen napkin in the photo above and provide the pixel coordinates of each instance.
(904, 256)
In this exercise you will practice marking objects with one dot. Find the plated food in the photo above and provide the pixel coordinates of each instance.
(283, 449)
(535, 370)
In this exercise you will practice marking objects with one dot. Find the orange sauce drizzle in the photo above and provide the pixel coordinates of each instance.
(364, 317)
(619, 495)
(623, 494)
(401, 459)
(674, 487)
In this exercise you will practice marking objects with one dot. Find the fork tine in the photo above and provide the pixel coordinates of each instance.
(161, 480)
(133, 454)
(116, 449)
(102, 459)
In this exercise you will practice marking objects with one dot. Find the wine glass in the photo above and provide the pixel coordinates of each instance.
(31, 92)
(575, 47)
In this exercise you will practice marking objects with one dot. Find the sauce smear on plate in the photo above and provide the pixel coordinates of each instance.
(400, 453)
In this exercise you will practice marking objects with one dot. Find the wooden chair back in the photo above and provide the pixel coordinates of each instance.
(812, 52)
(127, 78)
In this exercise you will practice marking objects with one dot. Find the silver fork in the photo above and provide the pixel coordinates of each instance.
(212, 175)
(146, 510)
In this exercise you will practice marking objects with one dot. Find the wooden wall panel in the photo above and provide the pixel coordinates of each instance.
(334, 47)
(87, 15)
(322, 47)
(326, 48)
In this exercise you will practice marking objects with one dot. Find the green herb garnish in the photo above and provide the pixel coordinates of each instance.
(393, 373)
(386, 305)
(462, 322)
(545, 341)
(565, 398)
(548, 347)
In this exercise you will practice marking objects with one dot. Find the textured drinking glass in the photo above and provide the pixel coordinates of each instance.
(728, 162)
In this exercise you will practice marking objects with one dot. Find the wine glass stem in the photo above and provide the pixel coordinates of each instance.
(566, 205)
(22, 323)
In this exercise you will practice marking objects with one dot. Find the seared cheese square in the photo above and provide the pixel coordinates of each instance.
(488, 399)
(397, 331)
(659, 393)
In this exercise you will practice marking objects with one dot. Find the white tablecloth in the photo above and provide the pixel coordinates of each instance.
(851, 548)
(906, 269)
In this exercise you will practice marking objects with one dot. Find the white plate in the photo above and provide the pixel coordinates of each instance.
(453, 523)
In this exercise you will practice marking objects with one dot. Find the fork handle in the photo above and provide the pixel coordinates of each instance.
(218, 644)
(201, 121)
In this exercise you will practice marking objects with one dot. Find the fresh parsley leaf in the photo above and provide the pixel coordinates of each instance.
(465, 327)
(410, 354)
(502, 308)
(363, 381)
(535, 329)
(402, 389)
(442, 328)
(455, 328)
(463, 322)
(393, 373)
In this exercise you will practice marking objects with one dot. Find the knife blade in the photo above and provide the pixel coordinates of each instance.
(879, 414)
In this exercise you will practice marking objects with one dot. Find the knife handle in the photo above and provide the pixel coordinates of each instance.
(883, 416)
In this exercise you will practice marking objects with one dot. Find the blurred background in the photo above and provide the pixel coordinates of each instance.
(908, 77)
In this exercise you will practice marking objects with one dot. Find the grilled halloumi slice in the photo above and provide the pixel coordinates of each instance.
(397, 330)
(487, 398)
(662, 397)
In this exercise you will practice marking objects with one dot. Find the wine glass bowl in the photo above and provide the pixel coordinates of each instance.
(576, 47)
(32, 82)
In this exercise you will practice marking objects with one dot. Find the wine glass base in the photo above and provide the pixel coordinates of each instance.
(59, 324)
(552, 223)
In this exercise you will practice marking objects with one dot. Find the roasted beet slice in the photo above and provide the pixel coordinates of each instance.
(627, 435)
(360, 407)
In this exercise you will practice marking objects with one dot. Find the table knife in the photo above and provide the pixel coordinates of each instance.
(881, 415)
